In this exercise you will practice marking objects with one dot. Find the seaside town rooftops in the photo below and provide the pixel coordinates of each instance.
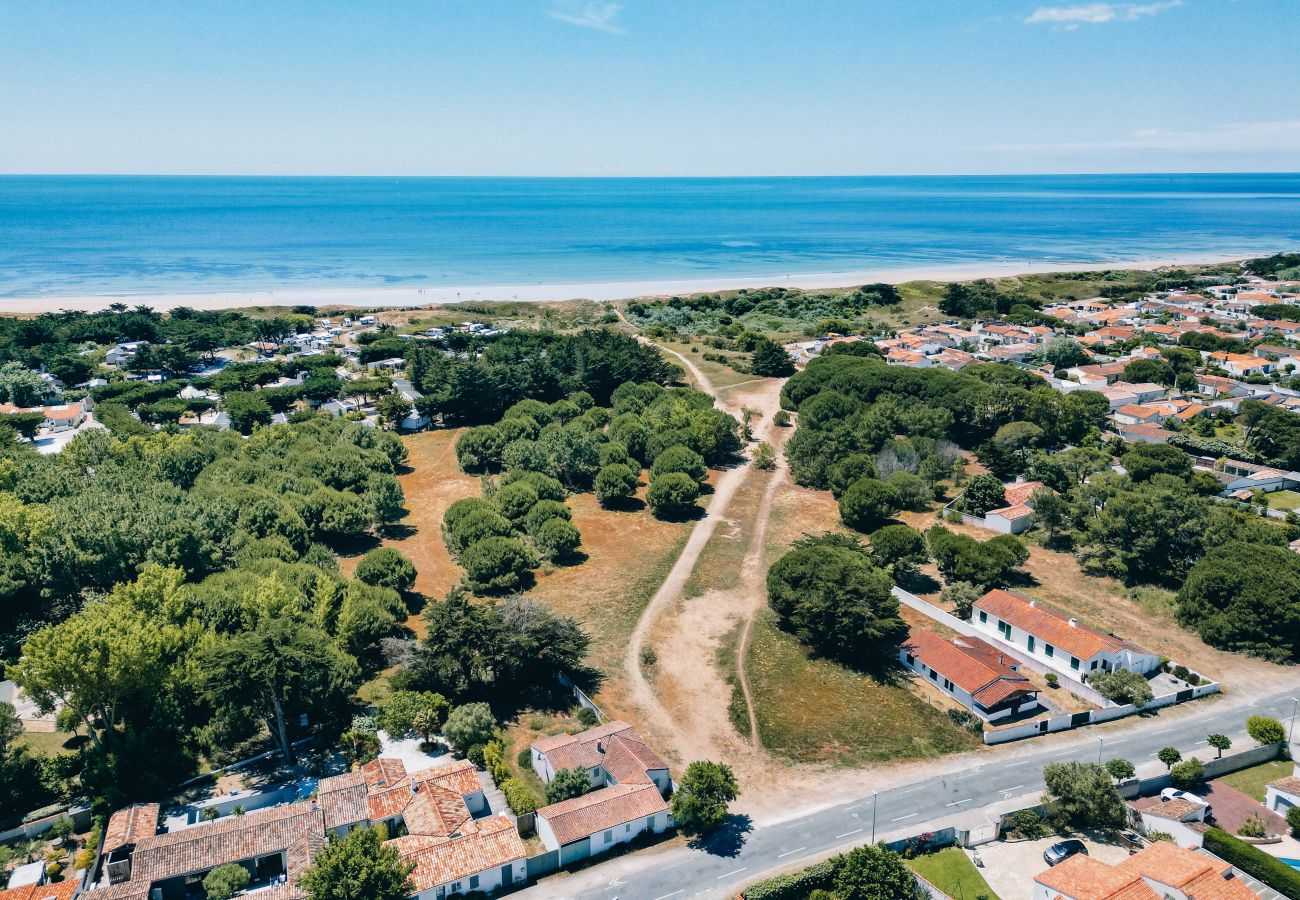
(59, 890)
(619, 804)
(616, 746)
(1055, 628)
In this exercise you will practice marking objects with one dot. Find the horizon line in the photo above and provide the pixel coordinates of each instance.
(1171, 174)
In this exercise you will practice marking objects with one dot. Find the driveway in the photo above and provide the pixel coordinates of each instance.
(1232, 808)
(1010, 866)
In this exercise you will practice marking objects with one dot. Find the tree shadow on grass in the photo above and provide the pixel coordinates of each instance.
(354, 545)
(574, 558)
(624, 504)
(918, 583)
(727, 840)
(399, 531)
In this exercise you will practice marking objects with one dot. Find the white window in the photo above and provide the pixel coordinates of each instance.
(609, 836)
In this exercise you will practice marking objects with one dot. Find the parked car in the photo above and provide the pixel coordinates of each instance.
(1174, 794)
(1130, 840)
(1063, 850)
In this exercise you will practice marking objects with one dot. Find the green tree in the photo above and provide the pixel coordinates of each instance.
(393, 409)
(1149, 371)
(1293, 820)
(833, 600)
(899, 549)
(961, 595)
(557, 538)
(1064, 352)
(357, 867)
(225, 881)
(399, 711)
(770, 360)
(1219, 742)
(498, 564)
(874, 872)
(868, 504)
(282, 668)
(567, 784)
(469, 725)
(479, 449)
(1082, 795)
(386, 567)
(764, 457)
(1123, 686)
(1245, 596)
(1265, 730)
(1169, 756)
(1120, 769)
(673, 495)
(678, 459)
(983, 493)
(246, 410)
(1050, 511)
(614, 483)
(1187, 775)
(359, 746)
(21, 386)
(1145, 461)
(701, 801)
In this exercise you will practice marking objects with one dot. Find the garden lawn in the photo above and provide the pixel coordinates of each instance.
(952, 872)
(1252, 781)
(1283, 500)
(813, 710)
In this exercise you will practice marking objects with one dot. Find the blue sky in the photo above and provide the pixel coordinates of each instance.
(648, 87)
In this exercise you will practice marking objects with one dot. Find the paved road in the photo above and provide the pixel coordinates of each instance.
(959, 798)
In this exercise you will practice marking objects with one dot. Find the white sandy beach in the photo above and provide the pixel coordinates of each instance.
(415, 296)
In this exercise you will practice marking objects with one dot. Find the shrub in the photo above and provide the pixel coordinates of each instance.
(225, 881)
(1293, 820)
(1270, 870)
(567, 784)
(679, 459)
(868, 504)
(1120, 769)
(497, 564)
(519, 797)
(794, 887)
(673, 496)
(1265, 730)
(469, 725)
(543, 511)
(1187, 774)
(385, 567)
(399, 712)
(524, 758)
(967, 720)
(781, 419)
(764, 457)
(615, 482)
(1028, 824)
(557, 538)
(1253, 827)
(587, 717)
(515, 500)
(1123, 686)
(1052, 680)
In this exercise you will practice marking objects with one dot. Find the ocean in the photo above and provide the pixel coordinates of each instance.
(75, 235)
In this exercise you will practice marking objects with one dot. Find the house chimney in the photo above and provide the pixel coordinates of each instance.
(1074, 622)
(1033, 602)
(600, 746)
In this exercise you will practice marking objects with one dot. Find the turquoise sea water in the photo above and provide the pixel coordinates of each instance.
(74, 235)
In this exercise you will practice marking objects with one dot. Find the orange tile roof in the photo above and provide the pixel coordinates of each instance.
(974, 668)
(586, 749)
(59, 890)
(493, 843)
(131, 825)
(1194, 874)
(1084, 878)
(574, 819)
(1048, 625)
(1290, 784)
(1175, 810)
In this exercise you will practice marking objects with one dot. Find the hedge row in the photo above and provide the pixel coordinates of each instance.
(794, 887)
(1253, 861)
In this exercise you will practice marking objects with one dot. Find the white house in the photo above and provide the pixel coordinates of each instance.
(1183, 819)
(1018, 513)
(1055, 639)
(981, 678)
(629, 782)
(1283, 794)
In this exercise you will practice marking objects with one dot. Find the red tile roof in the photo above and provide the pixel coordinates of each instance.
(971, 665)
(1196, 875)
(131, 825)
(493, 843)
(572, 820)
(589, 749)
(59, 890)
(1049, 625)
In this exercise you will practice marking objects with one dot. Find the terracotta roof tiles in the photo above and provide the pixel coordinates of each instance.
(574, 819)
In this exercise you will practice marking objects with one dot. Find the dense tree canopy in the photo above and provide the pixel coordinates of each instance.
(1246, 597)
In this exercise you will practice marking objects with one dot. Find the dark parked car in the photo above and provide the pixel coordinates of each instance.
(1063, 850)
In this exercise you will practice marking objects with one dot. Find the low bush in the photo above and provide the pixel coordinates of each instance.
(796, 886)
(1253, 861)
(521, 799)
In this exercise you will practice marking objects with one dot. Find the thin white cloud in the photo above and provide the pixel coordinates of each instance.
(1098, 13)
(588, 14)
(1231, 138)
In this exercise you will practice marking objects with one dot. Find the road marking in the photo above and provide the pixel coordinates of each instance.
(846, 834)
(779, 855)
(908, 816)
(1123, 741)
(1014, 764)
(913, 790)
(735, 872)
(1198, 743)
(1064, 753)
(854, 806)
(1010, 789)
(1162, 731)
(673, 894)
(958, 802)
